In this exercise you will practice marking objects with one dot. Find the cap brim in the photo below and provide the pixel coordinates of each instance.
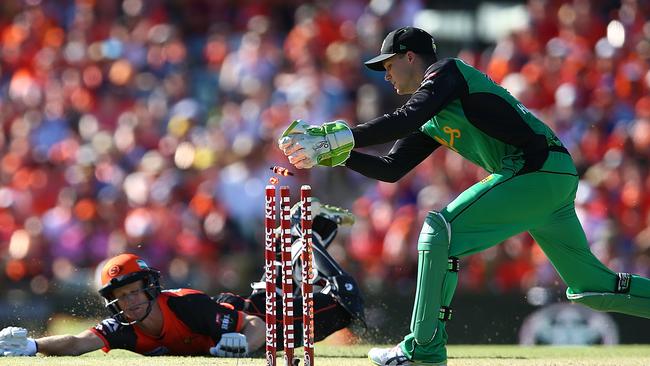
(377, 63)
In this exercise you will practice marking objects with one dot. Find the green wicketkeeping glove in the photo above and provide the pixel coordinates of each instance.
(308, 145)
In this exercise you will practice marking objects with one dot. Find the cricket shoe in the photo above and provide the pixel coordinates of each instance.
(394, 357)
(337, 214)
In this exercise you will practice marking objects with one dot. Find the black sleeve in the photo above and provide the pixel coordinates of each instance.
(441, 84)
(204, 316)
(116, 335)
(404, 156)
(233, 300)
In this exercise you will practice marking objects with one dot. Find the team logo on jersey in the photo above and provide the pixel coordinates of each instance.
(223, 320)
(453, 133)
(107, 326)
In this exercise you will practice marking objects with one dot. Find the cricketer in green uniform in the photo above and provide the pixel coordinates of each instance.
(532, 182)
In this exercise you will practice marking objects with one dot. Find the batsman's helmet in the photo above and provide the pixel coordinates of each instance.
(123, 270)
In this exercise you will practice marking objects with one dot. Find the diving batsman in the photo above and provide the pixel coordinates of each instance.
(532, 181)
(151, 321)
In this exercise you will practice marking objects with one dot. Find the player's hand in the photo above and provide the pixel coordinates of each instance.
(308, 145)
(297, 128)
(14, 342)
(294, 141)
(300, 150)
(231, 345)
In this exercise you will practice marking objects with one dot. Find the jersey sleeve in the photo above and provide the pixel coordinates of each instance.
(404, 156)
(230, 299)
(442, 84)
(115, 335)
(205, 316)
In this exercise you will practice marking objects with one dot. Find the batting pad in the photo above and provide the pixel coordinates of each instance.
(433, 250)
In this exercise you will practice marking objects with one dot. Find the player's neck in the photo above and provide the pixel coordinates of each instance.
(415, 78)
(152, 325)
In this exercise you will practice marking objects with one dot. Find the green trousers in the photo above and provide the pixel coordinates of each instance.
(542, 203)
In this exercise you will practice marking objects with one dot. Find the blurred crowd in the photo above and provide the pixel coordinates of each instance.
(150, 126)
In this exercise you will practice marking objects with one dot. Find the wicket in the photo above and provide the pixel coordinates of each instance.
(271, 267)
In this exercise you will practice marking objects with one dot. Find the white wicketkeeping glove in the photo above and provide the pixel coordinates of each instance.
(308, 145)
(231, 345)
(14, 342)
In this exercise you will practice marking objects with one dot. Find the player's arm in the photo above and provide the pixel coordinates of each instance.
(442, 84)
(14, 342)
(235, 333)
(306, 145)
(69, 345)
(239, 343)
(402, 158)
(255, 330)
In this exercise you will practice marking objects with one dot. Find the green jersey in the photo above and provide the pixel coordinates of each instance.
(461, 108)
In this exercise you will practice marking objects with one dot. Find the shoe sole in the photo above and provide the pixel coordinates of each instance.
(413, 363)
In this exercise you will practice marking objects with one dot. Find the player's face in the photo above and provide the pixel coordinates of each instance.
(132, 300)
(401, 73)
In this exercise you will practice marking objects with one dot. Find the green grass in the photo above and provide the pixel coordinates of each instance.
(334, 355)
(337, 355)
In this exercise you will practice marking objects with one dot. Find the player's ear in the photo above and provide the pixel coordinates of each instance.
(410, 56)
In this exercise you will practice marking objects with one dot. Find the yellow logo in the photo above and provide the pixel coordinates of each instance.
(453, 133)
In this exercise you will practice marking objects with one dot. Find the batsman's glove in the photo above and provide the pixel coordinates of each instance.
(14, 342)
(308, 145)
(231, 345)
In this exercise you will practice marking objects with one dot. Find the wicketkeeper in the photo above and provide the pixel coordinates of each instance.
(531, 186)
(151, 321)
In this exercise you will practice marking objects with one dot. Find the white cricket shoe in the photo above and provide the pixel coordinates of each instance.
(395, 357)
(337, 214)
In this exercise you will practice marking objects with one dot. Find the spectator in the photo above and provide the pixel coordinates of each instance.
(149, 124)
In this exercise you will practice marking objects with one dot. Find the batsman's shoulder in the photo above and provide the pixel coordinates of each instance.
(180, 292)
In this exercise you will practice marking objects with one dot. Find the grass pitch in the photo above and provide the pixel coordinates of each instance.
(335, 355)
(328, 354)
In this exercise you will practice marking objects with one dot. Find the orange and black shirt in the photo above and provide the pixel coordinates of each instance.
(192, 323)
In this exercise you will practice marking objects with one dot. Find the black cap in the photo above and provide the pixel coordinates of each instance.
(400, 41)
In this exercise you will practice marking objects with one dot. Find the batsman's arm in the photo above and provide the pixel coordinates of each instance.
(255, 330)
(249, 338)
(69, 345)
(402, 158)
